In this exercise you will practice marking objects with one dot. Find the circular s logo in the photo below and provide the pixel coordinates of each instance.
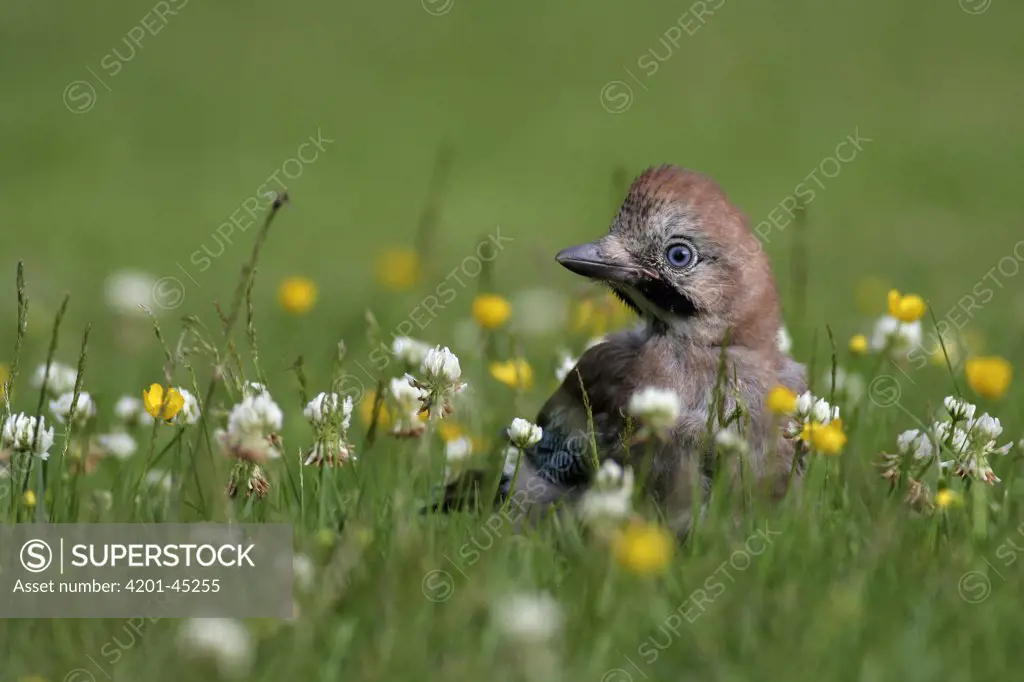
(36, 556)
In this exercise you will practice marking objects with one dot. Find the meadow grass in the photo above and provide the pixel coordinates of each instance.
(845, 582)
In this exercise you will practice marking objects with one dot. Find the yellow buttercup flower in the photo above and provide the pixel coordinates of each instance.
(643, 548)
(491, 311)
(781, 400)
(598, 316)
(989, 376)
(449, 431)
(906, 308)
(29, 498)
(858, 344)
(398, 269)
(827, 439)
(297, 295)
(948, 498)
(366, 412)
(153, 399)
(513, 373)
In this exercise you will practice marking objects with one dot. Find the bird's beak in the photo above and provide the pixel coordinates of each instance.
(587, 260)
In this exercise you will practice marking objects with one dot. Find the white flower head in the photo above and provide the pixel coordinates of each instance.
(784, 340)
(731, 442)
(804, 403)
(610, 474)
(959, 409)
(914, 442)
(303, 572)
(84, 410)
(19, 433)
(127, 290)
(252, 425)
(524, 434)
(410, 351)
(118, 444)
(406, 395)
(899, 337)
(225, 641)
(657, 408)
(611, 498)
(529, 618)
(130, 411)
(458, 449)
(159, 479)
(60, 379)
(189, 412)
(321, 409)
(441, 366)
(986, 428)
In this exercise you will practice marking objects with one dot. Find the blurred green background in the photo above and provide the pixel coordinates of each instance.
(216, 101)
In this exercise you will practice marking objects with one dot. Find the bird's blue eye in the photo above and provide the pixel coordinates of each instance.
(680, 256)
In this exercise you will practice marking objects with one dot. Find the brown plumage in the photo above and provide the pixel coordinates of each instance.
(683, 257)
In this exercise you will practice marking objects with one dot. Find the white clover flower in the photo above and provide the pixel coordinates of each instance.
(731, 442)
(529, 618)
(959, 410)
(609, 475)
(330, 452)
(319, 409)
(524, 434)
(986, 428)
(251, 425)
(811, 408)
(410, 351)
(441, 366)
(189, 412)
(61, 378)
(303, 572)
(950, 437)
(225, 641)
(784, 340)
(19, 433)
(159, 479)
(658, 408)
(85, 408)
(127, 290)
(914, 442)
(898, 337)
(611, 499)
(566, 365)
(458, 449)
(804, 403)
(130, 410)
(406, 395)
(257, 412)
(117, 444)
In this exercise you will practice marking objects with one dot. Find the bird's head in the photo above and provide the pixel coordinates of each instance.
(683, 257)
